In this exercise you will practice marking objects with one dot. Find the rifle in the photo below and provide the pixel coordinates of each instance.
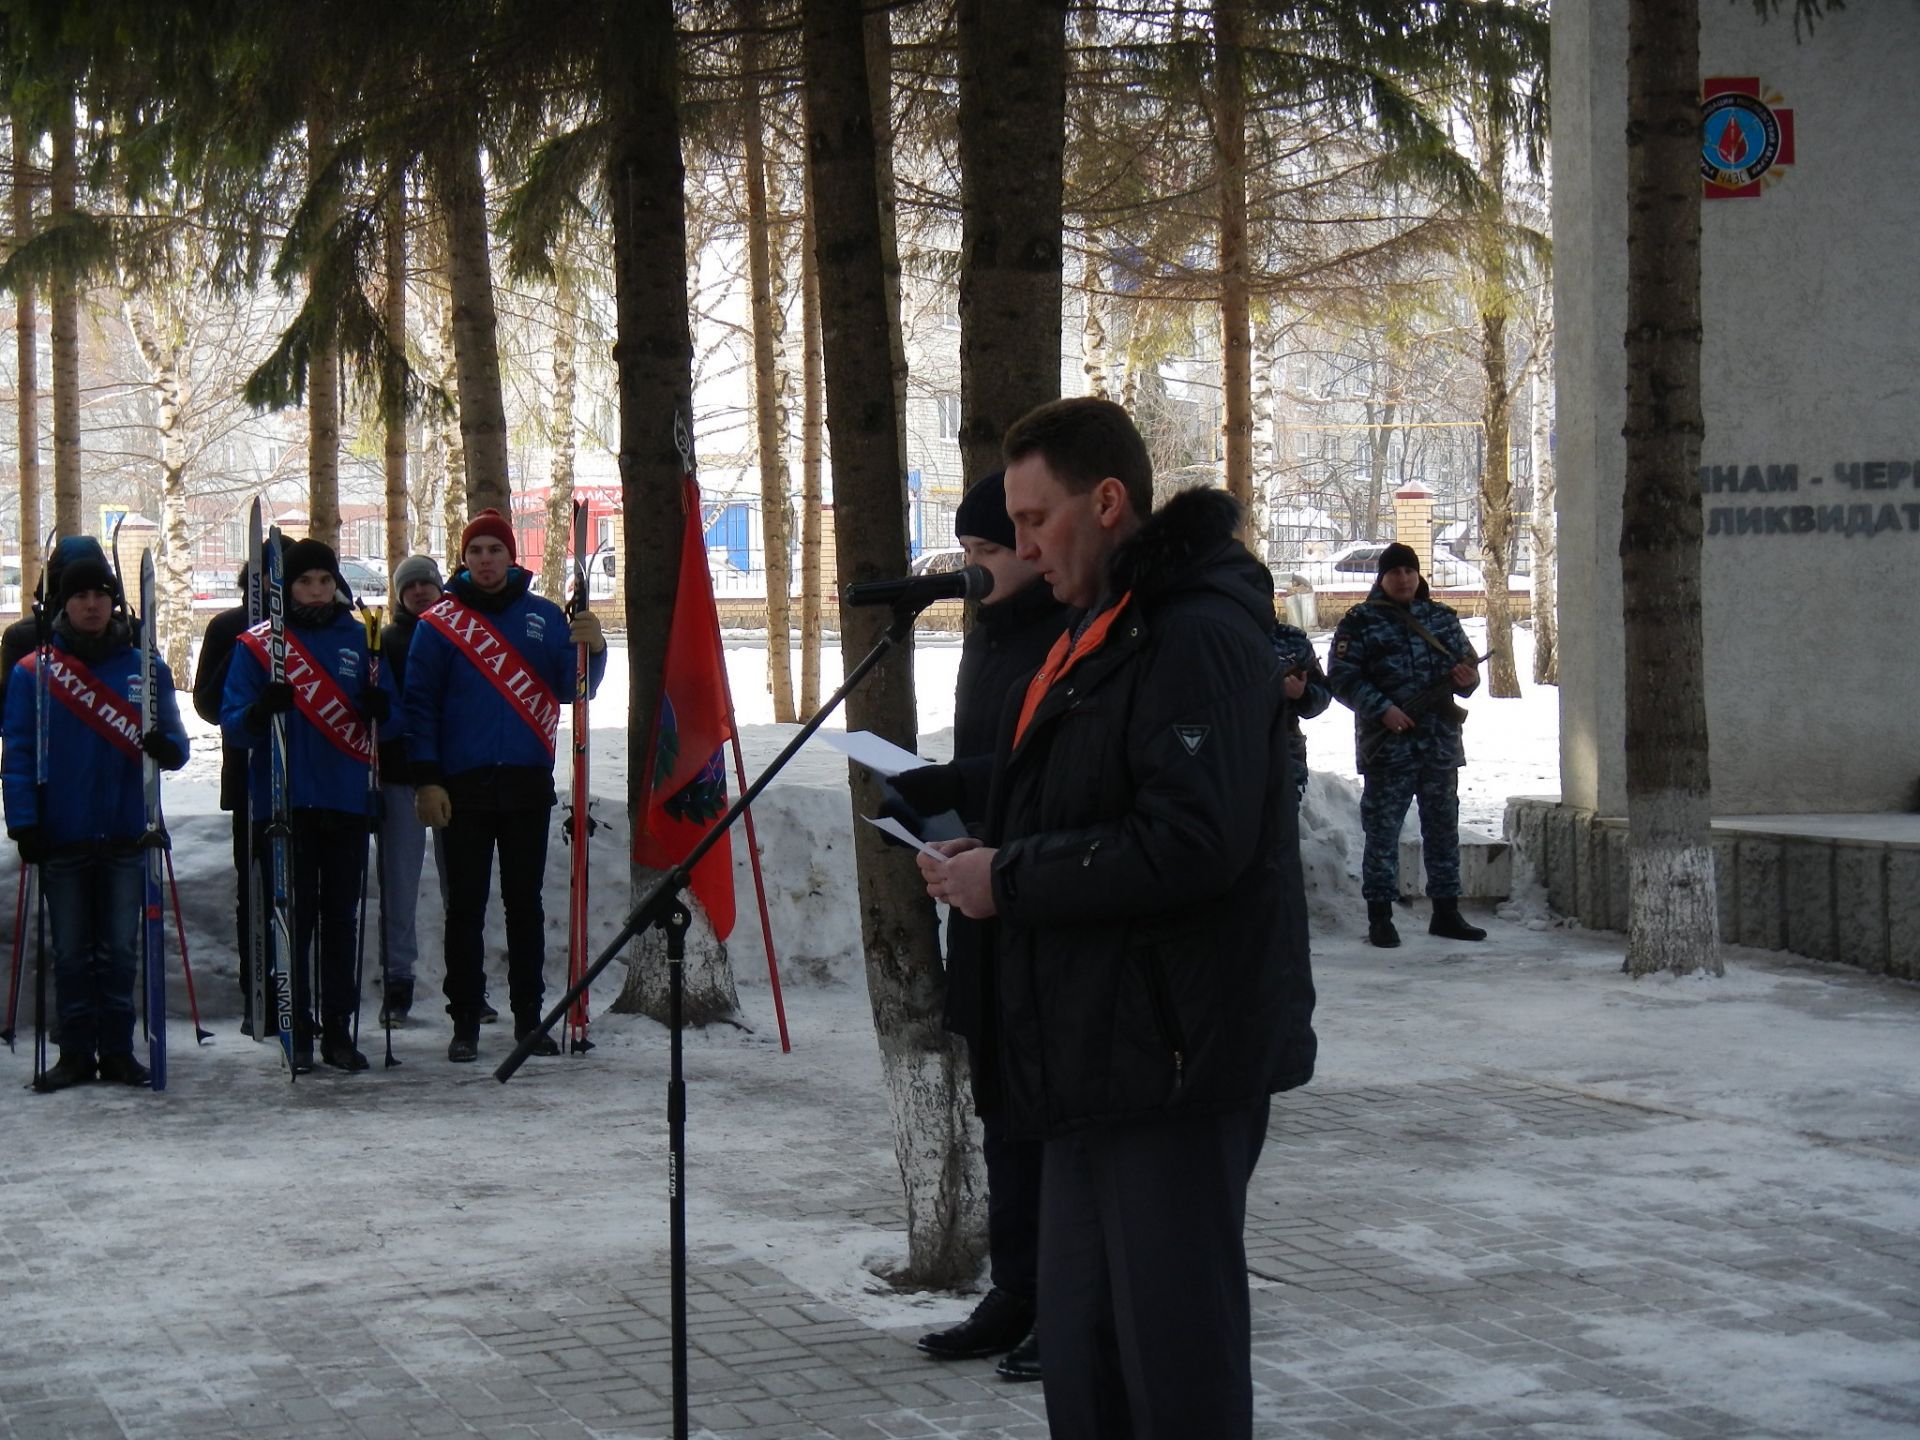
(1437, 698)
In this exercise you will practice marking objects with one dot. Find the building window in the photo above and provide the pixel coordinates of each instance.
(949, 416)
(950, 309)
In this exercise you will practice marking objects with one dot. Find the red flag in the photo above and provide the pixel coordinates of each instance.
(686, 776)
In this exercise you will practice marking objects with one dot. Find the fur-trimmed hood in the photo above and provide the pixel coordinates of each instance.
(1190, 543)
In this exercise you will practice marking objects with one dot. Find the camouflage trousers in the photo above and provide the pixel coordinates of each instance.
(1384, 799)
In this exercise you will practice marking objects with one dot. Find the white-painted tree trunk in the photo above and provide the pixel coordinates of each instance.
(1545, 531)
(1673, 912)
(937, 1144)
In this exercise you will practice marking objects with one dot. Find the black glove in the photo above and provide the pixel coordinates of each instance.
(376, 707)
(928, 790)
(275, 698)
(32, 841)
(164, 749)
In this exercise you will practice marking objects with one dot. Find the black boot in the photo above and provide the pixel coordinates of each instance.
(1448, 922)
(1023, 1361)
(466, 1040)
(543, 1043)
(1380, 929)
(395, 1002)
(72, 1068)
(336, 1045)
(123, 1069)
(998, 1323)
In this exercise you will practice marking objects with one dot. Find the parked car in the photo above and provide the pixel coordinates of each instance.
(938, 562)
(1359, 560)
(367, 581)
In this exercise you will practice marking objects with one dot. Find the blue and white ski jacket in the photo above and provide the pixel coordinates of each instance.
(457, 720)
(93, 784)
(327, 756)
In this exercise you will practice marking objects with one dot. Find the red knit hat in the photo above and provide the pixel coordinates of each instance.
(489, 524)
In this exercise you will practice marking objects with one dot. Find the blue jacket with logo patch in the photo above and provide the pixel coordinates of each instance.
(93, 786)
(320, 775)
(457, 721)
(1379, 660)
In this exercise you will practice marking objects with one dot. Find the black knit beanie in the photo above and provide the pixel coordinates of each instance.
(1395, 556)
(983, 511)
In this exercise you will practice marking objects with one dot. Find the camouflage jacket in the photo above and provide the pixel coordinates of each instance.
(1295, 652)
(1379, 661)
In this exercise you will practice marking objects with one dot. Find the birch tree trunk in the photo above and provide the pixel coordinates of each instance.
(1266, 471)
(476, 346)
(1236, 337)
(1013, 99)
(653, 353)
(323, 390)
(63, 325)
(1496, 414)
(393, 400)
(162, 356)
(769, 333)
(27, 372)
(813, 430)
(553, 563)
(924, 1067)
(1545, 531)
(1672, 907)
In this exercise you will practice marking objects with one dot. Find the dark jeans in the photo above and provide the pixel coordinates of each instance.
(1145, 1323)
(94, 904)
(520, 836)
(325, 864)
(1013, 1197)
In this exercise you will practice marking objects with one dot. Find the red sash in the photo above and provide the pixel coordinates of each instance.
(107, 712)
(482, 646)
(316, 694)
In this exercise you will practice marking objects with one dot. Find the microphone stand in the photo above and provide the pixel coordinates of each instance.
(662, 906)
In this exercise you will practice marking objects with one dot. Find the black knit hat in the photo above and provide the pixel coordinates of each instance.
(983, 511)
(1397, 556)
(86, 573)
(304, 555)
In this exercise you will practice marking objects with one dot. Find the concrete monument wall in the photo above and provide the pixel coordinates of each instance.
(1811, 463)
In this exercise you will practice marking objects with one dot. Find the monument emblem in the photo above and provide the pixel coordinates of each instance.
(1745, 137)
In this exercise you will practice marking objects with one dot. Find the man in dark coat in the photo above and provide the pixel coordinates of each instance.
(1150, 970)
(1017, 624)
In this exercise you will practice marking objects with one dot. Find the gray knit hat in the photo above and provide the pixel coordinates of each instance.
(413, 568)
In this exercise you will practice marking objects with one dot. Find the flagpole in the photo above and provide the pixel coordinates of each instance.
(753, 856)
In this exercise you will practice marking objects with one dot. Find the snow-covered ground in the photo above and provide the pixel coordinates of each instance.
(1806, 1072)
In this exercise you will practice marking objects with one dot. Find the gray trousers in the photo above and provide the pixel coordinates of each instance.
(403, 850)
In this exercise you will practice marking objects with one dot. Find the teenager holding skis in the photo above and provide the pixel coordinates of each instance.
(486, 672)
(85, 835)
(331, 707)
(403, 838)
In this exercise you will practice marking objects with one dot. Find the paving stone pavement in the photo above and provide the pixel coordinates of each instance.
(1412, 1279)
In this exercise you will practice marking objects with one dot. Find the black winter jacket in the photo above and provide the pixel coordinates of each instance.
(209, 686)
(1152, 947)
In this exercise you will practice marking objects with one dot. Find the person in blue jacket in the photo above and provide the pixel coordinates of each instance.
(490, 666)
(332, 707)
(84, 832)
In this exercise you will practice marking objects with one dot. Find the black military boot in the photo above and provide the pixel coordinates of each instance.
(1380, 929)
(336, 1045)
(998, 1323)
(1450, 924)
(465, 1046)
(123, 1069)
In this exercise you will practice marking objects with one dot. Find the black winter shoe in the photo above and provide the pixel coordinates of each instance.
(543, 1043)
(465, 1047)
(486, 1012)
(396, 1002)
(1023, 1361)
(1380, 929)
(123, 1070)
(69, 1070)
(336, 1045)
(1449, 924)
(998, 1323)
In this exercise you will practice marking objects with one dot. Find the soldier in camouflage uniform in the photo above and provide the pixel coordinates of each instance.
(1307, 692)
(1398, 658)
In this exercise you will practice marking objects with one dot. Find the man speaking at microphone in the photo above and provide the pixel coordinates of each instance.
(1150, 972)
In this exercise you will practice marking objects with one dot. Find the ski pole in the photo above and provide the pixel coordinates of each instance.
(200, 1034)
(370, 618)
(19, 954)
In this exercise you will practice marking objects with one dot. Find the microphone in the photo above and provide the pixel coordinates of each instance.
(919, 591)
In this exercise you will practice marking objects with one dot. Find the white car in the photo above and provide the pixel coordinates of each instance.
(1359, 560)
